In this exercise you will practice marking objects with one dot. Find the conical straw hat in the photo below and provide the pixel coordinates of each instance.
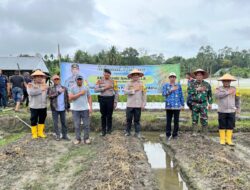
(38, 73)
(227, 77)
(135, 71)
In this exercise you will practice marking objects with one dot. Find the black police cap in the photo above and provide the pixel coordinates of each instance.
(75, 65)
(107, 71)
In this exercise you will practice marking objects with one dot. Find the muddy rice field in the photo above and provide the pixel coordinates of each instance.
(119, 162)
(207, 165)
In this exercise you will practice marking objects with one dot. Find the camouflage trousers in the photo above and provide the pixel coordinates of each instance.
(199, 110)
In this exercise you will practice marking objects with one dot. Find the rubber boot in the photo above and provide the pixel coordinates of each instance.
(204, 131)
(222, 133)
(195, 130)
(40, 131)
(229, 135)
(34, 132)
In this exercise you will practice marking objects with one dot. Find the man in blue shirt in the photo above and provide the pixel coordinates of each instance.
(174, 99)
(81, 109)
(4, 89)
(59, 103)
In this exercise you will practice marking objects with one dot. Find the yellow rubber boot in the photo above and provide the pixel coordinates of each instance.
(34, 132)
(229, 135)
(40, 131)
(222, 133)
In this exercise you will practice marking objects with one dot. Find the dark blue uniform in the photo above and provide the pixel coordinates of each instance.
(3, 90)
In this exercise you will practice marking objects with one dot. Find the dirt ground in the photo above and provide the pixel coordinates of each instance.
(113, 162)
(208, 165)
(116, 162)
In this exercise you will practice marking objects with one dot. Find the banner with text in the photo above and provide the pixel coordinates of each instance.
(154, 75)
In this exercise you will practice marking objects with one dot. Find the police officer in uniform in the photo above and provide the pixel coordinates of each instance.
(228, 98)
(108, 99)
(71, 81)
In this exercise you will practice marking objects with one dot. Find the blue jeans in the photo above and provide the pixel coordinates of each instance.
(77, 117)
(17, 94)
(3, 97)
(62, 115)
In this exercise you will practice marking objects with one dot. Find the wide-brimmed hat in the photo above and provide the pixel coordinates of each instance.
(172, 74)
(205, 74)
(38, 73)
(135, 71)
(227, 76)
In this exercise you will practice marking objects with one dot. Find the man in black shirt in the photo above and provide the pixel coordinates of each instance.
(17, 83)
(27, 80)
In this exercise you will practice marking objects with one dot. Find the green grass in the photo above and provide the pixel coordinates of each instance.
(245, 97)
(11, 138)
(81, 151)
(35, 185)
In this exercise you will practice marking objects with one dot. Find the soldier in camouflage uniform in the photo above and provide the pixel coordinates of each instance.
(200, 93)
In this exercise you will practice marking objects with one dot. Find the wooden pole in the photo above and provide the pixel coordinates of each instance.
(238, 82)
(59, 54)
(18, 66)
(23, 121)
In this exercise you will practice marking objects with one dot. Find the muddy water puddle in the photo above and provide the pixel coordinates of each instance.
(163, 166)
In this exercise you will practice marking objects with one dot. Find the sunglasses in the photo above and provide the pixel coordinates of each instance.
(57, 79)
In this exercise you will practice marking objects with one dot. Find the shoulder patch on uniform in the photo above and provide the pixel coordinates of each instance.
(115, 85)
(98, 82)
(237, 92)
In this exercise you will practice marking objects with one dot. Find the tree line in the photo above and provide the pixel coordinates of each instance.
(227, 59)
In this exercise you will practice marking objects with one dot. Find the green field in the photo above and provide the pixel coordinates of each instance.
(244, 92)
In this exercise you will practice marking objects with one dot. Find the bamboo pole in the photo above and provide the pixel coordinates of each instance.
(23, 121)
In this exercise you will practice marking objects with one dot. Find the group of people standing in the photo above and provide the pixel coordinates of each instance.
(15, 87)
(78, 99)
(199, 101)
(75, 96)
(108, 98)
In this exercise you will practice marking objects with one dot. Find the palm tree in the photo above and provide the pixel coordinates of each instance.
(52, 56)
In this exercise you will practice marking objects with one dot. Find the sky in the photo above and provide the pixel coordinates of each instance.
(170, 27)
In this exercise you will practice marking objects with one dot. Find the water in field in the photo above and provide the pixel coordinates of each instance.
(162, 164)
